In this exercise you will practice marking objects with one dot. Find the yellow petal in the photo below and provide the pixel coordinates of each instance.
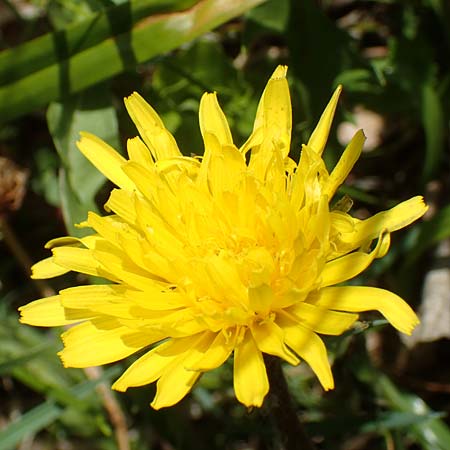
(173, 385)
(61, 241)
(362, 298)
(100, 341)
(226, 170)
(215, 355)
(254, 140)
(147, 369)
(76, 259)
(269, 338)
(213, 120)
(322, 320)
(345, 163)
(160, 142)
(99, 300)
(105, 158)
(351, 265)
(278, 113)
(222, 166)
(250, 377)
(225, 281)
(116, 266)
(145, 180)
(47, 268)
(260, 298)
(122, 236)
(279, 74)
(138, 152)
(319, 136)
(109, 227)
(47, 312)
(157, 298)
(391, 220)
(309, 347)
(121, 202)
(271, 134)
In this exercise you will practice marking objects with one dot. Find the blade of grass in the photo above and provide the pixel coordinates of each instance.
(434, 127)
(433, 434)
(46, 50)
(146, 39)
(47, 412)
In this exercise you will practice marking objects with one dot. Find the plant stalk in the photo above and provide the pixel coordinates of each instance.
(282, 409)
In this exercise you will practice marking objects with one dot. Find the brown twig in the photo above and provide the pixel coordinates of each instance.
(282, 409)
(116, 415)
(21, 256)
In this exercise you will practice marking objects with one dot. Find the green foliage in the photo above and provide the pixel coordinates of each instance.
(392, 58)
(79, 181)
(70, 60)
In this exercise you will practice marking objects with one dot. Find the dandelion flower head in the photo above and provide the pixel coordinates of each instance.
(237, 253)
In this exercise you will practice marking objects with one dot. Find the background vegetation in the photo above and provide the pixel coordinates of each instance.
(65, 66)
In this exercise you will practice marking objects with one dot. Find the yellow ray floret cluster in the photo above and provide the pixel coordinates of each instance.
(237, 252)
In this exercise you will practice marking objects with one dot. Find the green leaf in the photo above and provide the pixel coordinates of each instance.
(434, 127)
(9, 365)
(319, 54)
(80, 181)
(52, 48)
(68, 61)
(274, 15)
(179, 82)
(47, 412)
(432, 434)
(397, 420)
(90, 111)
(320, 51)
(73, 209)
(62, 14)
(19, 353)
(358, 80)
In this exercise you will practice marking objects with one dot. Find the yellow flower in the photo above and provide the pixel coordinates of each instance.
(237, 252)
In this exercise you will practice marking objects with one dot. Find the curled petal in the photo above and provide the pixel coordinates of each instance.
(391, 220)
(322, 320)
(362, 298)
(351, 265)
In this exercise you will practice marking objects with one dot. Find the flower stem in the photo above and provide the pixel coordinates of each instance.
(282, 409)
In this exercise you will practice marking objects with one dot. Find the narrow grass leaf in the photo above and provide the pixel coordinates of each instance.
(66, 72)
(46, 413)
